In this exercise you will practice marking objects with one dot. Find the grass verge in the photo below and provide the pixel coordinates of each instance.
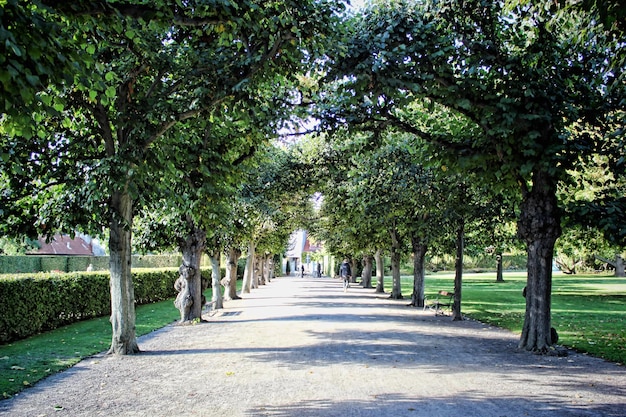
(588, 311)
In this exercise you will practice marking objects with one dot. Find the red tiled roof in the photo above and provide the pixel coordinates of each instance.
(311, 247)
(64, 245)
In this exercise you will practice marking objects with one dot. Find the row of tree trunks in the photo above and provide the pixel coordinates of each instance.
(190, 299)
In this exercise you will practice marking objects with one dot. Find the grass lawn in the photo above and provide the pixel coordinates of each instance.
(588, 311)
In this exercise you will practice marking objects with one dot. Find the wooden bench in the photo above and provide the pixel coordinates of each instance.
(442, 304)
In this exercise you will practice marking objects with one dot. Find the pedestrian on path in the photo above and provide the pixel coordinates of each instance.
(345, 273)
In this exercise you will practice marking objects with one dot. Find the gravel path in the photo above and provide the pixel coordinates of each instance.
(303, 347)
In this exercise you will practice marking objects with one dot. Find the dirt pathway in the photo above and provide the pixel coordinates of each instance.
(303, 347)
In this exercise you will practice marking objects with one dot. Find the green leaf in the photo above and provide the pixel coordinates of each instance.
(32, 80)
(16, 49)
(464, 104)
(110, 92)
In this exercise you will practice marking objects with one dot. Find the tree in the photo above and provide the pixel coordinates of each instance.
(197, 199)
(147, 70)
(541, 101)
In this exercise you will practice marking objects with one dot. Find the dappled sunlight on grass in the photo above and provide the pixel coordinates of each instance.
(588, 311)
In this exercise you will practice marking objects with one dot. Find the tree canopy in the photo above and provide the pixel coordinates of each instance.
(540, 90)
(425, 111)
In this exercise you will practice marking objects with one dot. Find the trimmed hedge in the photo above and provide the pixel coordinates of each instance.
(36, 303)
(27, 264)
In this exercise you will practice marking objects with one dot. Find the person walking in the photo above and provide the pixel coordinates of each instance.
(345, 273)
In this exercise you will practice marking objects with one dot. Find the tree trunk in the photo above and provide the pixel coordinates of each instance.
(619, 266)
(230, 281)
(499, 276)
(215, 279)
(366, 274)
(124, 339)
(261, 270)
(458, 268)
(354, 267)
(255, 271)
(419, 254)
(190, 299)
(267, 268)
(396, 284)
(380, 271)
(539, 226)
(248, 273)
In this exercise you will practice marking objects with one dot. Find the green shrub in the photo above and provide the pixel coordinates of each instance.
(46, 301)
(157, 261)
(19, 264)
(54, 263)
(152, 285)
(26, 264)
(80, 263)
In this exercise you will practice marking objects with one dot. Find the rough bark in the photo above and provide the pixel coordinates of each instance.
(255, 271)
(539, 226)
(396, 288)
(366, 274)
(499, 275)
(354, 267)
(124, 339)
(260, 262)
(248, 273)
(380, 271)
(269, 268)
(190, 299)
(215, 280)
(419, 254)
(230, 280)
(458, 271)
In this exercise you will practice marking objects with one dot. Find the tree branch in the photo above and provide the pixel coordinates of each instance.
(166, 126)
(101, 116)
